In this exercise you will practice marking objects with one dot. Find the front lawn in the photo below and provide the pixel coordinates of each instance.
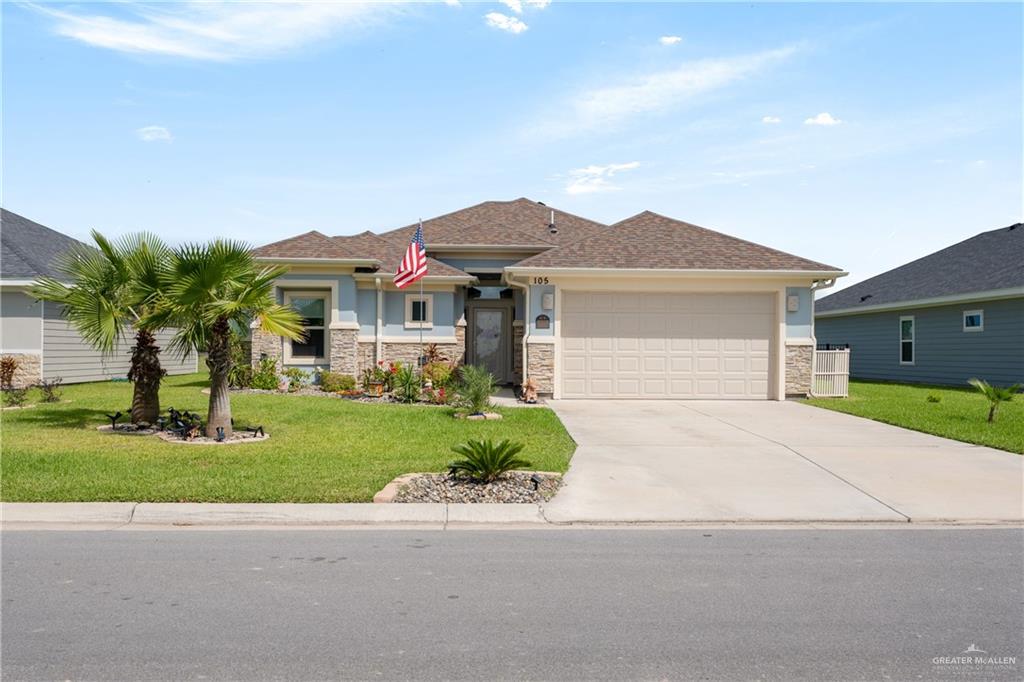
(960, 413)
(320, 449)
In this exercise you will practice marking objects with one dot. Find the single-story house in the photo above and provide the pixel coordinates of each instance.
(35, 332)
(941, 319)
(649, 307)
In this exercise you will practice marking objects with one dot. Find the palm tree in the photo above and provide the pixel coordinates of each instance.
(112, 289)
(210, 288)
(994, 394)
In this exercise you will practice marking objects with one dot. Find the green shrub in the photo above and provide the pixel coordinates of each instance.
(15, 397)
(240, 374)
(265, 376)
(932, 398)
(297, 378)
(440, 374)
(50, 389)
(475, 389)
(333, 382)
(485, 461)
(407, 384)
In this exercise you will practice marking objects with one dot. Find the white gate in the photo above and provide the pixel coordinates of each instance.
(831, 374)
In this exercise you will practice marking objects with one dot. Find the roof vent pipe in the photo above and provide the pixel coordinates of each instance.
(551, 225)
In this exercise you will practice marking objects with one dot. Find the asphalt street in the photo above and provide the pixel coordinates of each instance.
(500, 604)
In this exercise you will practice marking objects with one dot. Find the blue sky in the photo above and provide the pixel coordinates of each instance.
(860, 135)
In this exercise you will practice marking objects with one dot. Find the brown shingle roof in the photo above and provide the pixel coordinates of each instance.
(389, 253)
(309, 245)
(652, 241)
(520, 222)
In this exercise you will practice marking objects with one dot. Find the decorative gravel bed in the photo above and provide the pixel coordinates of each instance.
(512, 487)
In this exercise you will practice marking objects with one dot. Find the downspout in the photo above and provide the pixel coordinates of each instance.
(379, 350)
(526, 319)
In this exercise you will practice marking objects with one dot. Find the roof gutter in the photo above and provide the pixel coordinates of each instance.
(992, 294)
(663, 272)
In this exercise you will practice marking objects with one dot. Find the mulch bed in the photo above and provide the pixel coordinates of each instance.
(237, 438)
(512, 487)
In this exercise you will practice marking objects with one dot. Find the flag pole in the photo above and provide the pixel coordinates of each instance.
(423, 307)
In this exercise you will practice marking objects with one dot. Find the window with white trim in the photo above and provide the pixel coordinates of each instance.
(974, 320)
(419, 311)
(312, 308)
(907, 340)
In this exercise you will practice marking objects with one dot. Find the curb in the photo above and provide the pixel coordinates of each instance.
(435, 516)
(151, 514)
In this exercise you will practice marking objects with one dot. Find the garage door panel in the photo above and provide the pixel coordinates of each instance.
(666, 345)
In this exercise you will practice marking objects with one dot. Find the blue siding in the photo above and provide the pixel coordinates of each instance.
(444, 314)
(366, 311)
(944, 353)
(537, 292)
(798, 324)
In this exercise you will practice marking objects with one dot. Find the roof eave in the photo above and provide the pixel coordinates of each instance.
(358, 262)
(489, 247)
(681, 272)
(935, 301)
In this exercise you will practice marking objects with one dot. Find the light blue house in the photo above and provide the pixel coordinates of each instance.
(649, 307)
(942, 319)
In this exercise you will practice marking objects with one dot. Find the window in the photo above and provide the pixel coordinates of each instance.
(419, 311)
(974, 320)
(312, 307)
(907, 340)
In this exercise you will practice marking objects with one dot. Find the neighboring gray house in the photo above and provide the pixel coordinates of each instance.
(942, 319)
(34, 332)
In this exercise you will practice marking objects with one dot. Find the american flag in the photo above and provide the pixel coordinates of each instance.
(414, 263)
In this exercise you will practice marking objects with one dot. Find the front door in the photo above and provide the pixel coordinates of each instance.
(489, 326)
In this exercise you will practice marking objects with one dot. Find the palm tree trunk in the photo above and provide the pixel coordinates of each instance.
(146, 373)
(219, 361)
(992, 412)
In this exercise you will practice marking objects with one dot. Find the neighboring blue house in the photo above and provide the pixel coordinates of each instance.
(942, 319)
(649, 307)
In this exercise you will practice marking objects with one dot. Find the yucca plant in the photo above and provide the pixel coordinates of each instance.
(408, 384)
(485, 460)
(994, 395)
(475, 388)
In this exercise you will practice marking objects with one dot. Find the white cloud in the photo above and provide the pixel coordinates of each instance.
(670, 40)
(453, 3)
(219, 31)
(538, 4)
(154, 134)
(771, 119)
(505, 22)
(514, 5)
(591, 179)
(605, 107)
(823, 119)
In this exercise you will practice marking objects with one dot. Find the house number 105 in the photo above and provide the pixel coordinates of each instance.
(540, 280)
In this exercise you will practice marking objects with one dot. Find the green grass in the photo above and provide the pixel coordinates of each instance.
(320, 449)
(960, 414)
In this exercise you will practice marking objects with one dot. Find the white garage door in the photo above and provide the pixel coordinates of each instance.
(665, 345)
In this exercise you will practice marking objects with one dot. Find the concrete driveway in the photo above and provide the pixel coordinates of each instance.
(772, 461)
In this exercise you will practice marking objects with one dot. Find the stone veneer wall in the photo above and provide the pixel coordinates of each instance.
(541, 366)
(366, 356)
(268, 344)
(344, 351)
(517, 353)
(799, 363)
(29, 370)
